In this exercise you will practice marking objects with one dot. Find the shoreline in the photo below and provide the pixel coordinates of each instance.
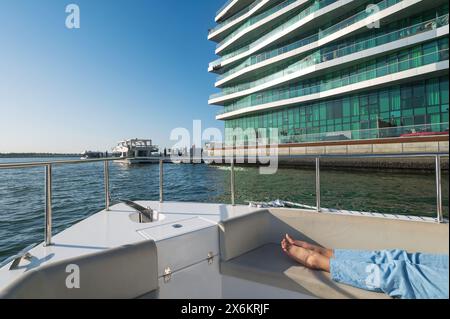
(41, 155)
(412, 165)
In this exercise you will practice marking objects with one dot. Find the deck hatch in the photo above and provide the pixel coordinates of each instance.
(197, 241)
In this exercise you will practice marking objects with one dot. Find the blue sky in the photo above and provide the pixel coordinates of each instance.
(136, 68)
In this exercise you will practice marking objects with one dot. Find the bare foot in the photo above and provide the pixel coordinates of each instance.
(318, 249)
(306, 257)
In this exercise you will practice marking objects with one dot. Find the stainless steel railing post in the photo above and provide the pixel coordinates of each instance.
(48, 205)
(107, 191)
(233, 186)
(440, 215)
(161, 181)
(319, 209)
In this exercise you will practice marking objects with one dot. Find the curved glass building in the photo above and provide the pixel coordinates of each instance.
(333, 69)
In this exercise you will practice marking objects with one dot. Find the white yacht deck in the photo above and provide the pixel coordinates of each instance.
(114, 228)
(200, 250)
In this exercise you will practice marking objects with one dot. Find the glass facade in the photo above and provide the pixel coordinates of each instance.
(419, 55)
(422, 104)
(319, 57)
(394, 31)
(415, 105)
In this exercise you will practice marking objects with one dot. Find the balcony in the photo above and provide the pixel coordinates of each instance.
(289, 94)
(234, 18)
(316, 59)
(239, 32)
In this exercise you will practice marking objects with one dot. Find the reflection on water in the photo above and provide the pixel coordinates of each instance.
(78, 192)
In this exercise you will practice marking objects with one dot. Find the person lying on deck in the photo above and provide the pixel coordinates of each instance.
(397, 273)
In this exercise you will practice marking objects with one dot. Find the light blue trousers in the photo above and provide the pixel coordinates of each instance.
(394, 272)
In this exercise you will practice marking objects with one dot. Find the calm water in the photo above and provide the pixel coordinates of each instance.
(78, 192)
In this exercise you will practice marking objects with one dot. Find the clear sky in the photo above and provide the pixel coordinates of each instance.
(135, 68)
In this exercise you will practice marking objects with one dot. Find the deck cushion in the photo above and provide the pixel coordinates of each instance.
(269, 265)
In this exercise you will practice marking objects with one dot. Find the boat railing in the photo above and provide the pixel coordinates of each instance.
(436, 156)
(49, 165)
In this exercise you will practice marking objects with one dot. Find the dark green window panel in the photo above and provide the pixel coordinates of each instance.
(435, 118)
(364, 101)
(385, 115)
(391, 62)
(365, 125)
(406, 97)
(430, 53)
(373, 123)
(420, 120)
(373, 109)
(444, 91)
(408, 112)
(420, 111)
(415, 57)
(316, 115)
(432, 92)
(364, 110)
(433, 109)
(418, 97)
(323, 111)
(395, 99)
(346, 110)
(355, 105)
(384, 101)
(382, 70)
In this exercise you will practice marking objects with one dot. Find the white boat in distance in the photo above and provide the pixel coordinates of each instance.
(136, 151)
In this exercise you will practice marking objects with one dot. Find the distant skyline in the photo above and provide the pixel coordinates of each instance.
(134, 69)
